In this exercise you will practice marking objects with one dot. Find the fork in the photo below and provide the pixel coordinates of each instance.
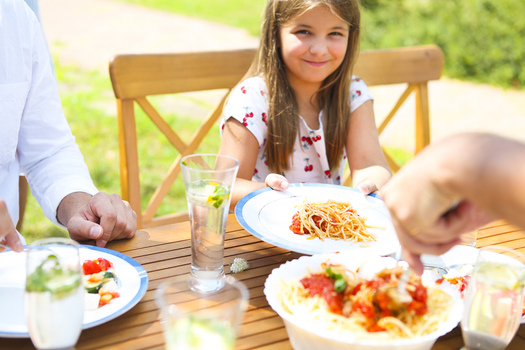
(402, 295)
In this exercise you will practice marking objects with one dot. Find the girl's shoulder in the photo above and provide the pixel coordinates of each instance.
(251, 91)
(252, 84)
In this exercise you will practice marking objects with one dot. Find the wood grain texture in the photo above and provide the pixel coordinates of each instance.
(165, 254)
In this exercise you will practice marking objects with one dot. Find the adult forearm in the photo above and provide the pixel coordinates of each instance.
(489, 171)
(70, 205)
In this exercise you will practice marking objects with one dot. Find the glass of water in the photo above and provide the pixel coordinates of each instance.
(209, 179)
(54, 293)
(193, 320)
(494, 299)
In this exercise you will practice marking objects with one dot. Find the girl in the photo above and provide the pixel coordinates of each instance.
(301, 108)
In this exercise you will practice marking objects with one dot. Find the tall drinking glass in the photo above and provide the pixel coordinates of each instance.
(54, 296)
(494, 299)
(208, 179)
(201, 321)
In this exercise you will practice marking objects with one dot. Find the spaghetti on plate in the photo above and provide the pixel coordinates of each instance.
(335, 299)
(331, 219)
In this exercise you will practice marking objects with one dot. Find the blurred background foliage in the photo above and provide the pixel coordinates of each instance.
(483, 40)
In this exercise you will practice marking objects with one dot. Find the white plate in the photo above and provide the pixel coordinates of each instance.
(267, 214)
(457, 256)
(133, 282)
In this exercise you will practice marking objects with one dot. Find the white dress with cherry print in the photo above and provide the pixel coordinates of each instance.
(248, 103)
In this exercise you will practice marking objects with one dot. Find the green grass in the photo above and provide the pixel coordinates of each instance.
(238, 13)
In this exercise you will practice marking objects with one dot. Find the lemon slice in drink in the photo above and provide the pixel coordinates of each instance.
(217, 194)
(500, 276)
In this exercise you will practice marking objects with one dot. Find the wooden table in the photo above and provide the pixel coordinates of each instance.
(165, 254)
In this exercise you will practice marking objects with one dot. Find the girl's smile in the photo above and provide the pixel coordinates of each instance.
(316, 64)
(313, 46)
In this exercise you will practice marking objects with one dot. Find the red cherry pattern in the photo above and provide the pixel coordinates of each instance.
(243, 89)
(247, 115)
(358, 92)
(328, 174)
(255, 172)
(308, 168)
(316, 138)
(265, 118)
(307, 140)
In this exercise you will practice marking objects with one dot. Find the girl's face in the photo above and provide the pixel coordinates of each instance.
(313, 45)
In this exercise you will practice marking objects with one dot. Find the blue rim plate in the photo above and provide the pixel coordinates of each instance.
(267, 214)
(133, 283)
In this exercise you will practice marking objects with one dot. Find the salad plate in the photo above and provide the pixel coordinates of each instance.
(267, 214)
(132, 283)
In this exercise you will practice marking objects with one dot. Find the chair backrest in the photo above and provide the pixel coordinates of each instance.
(414, 66)
(134, 77)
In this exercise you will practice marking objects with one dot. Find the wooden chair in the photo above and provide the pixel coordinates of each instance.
(415, 66)
(134, 77)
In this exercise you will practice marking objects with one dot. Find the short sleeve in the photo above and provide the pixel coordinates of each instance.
(359, 93)
(248, 103)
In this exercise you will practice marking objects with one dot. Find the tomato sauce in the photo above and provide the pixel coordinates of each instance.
(322, 285)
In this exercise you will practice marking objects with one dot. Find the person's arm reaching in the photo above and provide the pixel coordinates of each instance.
(477, 172)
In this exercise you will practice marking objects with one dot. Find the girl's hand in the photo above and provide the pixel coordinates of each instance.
(367, 187)
(276, 182)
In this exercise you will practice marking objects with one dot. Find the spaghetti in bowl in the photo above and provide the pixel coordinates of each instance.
(314, 322)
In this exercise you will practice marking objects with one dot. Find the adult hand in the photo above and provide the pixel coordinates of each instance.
(8, 235)
(276, 182)
(427, 213)
(103, 218)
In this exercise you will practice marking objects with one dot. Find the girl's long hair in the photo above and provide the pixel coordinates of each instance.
(332, 97)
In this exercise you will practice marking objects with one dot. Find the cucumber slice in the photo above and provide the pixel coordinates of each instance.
(93, 287)
(108, 276)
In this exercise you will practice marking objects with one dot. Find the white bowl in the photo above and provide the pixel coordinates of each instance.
(305, 335)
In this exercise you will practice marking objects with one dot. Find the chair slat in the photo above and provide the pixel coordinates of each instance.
(164, 127)
(422, 117)
(145, 75)
(402, 65)
(129, 160)
(394, 110)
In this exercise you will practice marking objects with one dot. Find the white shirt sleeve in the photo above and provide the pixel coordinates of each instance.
(48, 154)
(359, 93)
(248, 103)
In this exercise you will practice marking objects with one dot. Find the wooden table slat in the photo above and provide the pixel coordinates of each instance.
(165, 253)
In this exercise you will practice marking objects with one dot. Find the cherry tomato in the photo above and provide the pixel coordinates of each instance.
(90, 267)
(104, 264)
